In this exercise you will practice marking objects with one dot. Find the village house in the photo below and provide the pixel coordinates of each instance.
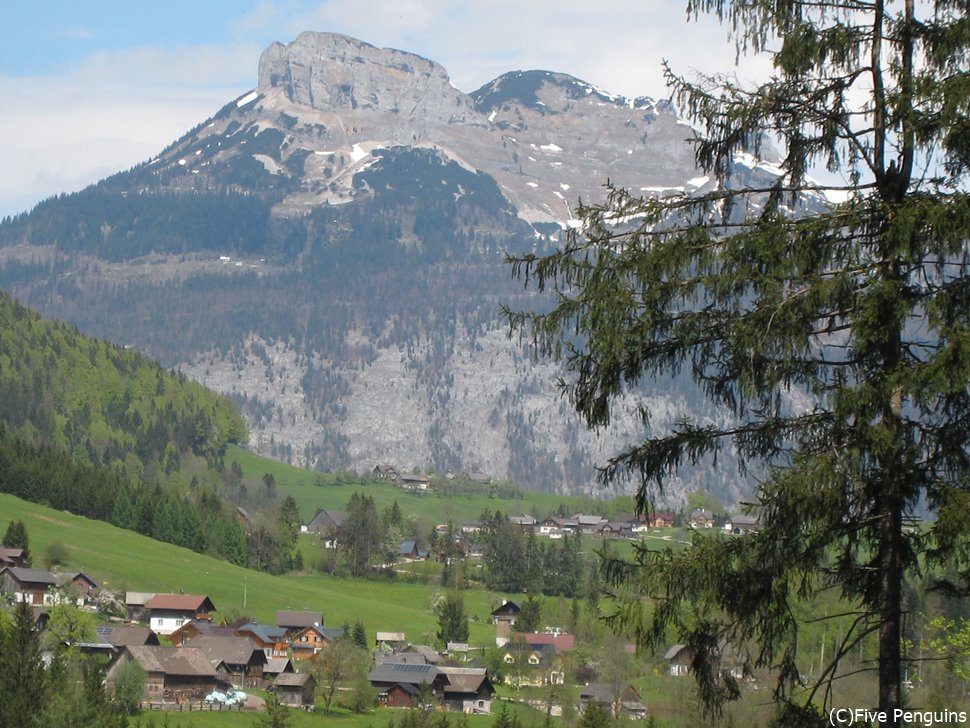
(742, 523)
(588, 523)
(660, 520)
(680, 659)
(168, 612)
(400, 685)
(326, 524)
(28, 585)
(468, 690)
(243, 660)
(619, 702)
(276, 666)
(295, 621)
(12, 557)
(271, 640)
(77, 583)
(135, 602)
(523, 521)
(195, 627)
(701, 518)
(125, 635)
(172, 674)
(406, 481)
(508, 612)
(383, 470)
(390, 641)
(313, 639)
(295, 689)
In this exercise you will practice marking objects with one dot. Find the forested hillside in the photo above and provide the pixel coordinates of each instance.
(104, 404)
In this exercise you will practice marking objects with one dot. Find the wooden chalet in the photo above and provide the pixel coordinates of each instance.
(311, 640)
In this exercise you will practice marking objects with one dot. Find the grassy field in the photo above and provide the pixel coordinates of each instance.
(339, 718)
(312, 491)
(122, 561)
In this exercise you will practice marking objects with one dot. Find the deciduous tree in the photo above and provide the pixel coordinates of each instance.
(833, 336)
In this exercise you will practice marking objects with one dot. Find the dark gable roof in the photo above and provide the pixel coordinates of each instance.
(181, 603)
(466, 679)
(405, 674)
(123, 635)
(298, 619)
(508, 608)
(326, 519)
(233, 650)
(30, 576)
(184, 661)
(293, 679)
(265, 632)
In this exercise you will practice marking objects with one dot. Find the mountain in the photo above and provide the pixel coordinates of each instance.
(328, 249)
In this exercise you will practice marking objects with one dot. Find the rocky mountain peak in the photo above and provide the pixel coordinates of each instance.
(329, 72)
(542, 90)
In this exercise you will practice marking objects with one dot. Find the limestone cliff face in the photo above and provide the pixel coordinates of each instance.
(335, 73)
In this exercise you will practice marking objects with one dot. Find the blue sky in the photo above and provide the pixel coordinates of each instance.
(91, 88)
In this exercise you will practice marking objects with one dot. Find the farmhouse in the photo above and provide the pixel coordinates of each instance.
(508, 612)
(701, 518)
(28, 585)
(680, 657)
(618, 701)
(468, 690)
(168, 612)
(399, 685)
(243, 660)
(172, 674)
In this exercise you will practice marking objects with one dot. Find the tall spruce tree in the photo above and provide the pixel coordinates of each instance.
(860, 308)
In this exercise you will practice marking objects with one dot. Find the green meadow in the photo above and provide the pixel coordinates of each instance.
(313, 491)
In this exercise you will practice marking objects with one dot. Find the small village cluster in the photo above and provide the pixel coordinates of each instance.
(197, 658)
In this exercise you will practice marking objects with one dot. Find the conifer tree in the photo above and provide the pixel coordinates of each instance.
(22, 678)
(770, 294)
(15, 537)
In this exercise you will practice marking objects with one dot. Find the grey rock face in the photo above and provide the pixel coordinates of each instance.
(336, 73)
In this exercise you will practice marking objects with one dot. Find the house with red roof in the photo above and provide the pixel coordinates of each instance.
(168, 612)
